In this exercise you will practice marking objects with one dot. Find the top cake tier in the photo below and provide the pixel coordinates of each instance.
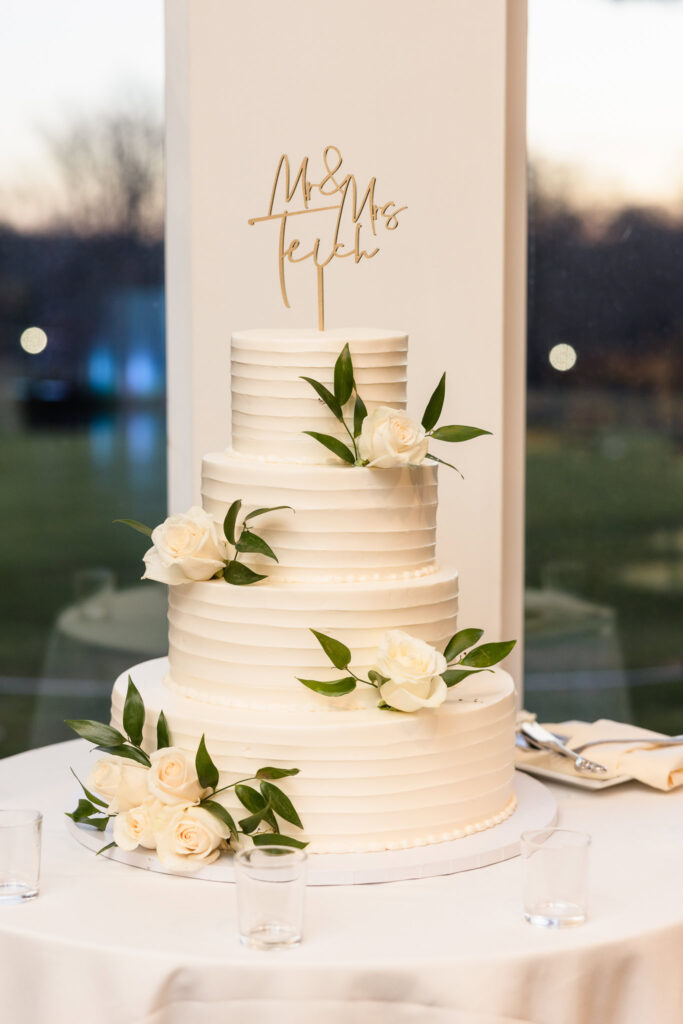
(271, 405)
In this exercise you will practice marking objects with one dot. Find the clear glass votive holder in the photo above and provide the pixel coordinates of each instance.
(19, 855)
(271, 881)
(94, 589)
(555, 877)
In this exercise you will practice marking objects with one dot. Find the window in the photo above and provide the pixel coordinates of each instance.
(82, 377)
(604, 539)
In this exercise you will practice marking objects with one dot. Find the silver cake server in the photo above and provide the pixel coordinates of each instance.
(545, 740)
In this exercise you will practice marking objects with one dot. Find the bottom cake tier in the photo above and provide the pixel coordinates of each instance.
(369, 779)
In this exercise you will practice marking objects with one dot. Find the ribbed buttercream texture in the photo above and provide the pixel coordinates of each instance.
(369, 780)
(356, 557)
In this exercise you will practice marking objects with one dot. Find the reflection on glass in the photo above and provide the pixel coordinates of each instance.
(33, 340)
(82, 362)
(604, 560)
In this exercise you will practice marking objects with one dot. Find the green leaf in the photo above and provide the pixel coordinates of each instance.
(450, 465)
(86, 814)
(253, 801)
(359, 413)
(327, 397)
(455, 675)
(105, 848)
(343, 376)
(337, 652)
(336, 446)
(96, 732)
(99, 823)
(281, 803)
(133, 714)
(254, 820)
(261, 511)
(231, 519)
(249, 797)
(219, 811)
(251, 542)
(383, 706)
(435, 405)
(128, 751)
(207, 773)
(377, 678)
(488, 654)
(336, 689)
(457, 433)
(91, 796)
(163, 735)
(463, 639)
(275, 839)
(276, 773)
(241, 575)
(135, 525)
(84, 810)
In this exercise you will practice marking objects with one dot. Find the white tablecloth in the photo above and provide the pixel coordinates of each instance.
(109, 944)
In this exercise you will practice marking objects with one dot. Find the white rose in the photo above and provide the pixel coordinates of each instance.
(413, 669)
(189, 838)
(120, 781)
(186, 547)
(389, 437)
(172, 779)
(139, 825)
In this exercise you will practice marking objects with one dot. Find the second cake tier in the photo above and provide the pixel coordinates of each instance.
(344, 523)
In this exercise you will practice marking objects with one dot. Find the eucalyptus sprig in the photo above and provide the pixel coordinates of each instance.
(345, 388)
(111, 741)
(453, 433)
(464, 651)
(247, 541)
(265, 804)
(463, 656)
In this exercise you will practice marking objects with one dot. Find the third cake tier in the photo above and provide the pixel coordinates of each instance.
(246, 646)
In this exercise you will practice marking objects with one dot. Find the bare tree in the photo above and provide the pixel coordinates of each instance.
(110, 173)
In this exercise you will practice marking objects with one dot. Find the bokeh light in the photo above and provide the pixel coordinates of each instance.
(33, 340)
(562, 357)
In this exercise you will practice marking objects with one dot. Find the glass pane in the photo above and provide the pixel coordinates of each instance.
(82, 343)
(604, 555)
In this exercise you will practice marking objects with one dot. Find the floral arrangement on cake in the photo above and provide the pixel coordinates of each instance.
(386, 437)
(410, 674)
(166, 800)
(191, 546)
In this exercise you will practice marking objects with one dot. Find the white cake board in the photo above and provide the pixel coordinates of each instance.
(536, 808)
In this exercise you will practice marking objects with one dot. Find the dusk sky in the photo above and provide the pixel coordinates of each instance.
(605, 87)
(605, 92)
(62, 59)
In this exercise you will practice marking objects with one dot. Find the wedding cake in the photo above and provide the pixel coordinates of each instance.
(356, 560)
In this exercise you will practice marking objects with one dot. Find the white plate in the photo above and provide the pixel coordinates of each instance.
(581, 781)
(536, 808)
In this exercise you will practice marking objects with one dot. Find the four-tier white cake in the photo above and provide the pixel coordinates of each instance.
(356, 557)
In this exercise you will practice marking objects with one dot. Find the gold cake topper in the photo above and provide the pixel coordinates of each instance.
(343, 195)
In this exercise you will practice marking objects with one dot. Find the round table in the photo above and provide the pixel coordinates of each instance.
(110, 944)
(91, 646)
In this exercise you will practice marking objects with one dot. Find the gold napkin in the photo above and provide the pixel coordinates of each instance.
(660, 767)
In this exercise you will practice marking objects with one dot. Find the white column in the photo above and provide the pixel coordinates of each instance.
(428, 96)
